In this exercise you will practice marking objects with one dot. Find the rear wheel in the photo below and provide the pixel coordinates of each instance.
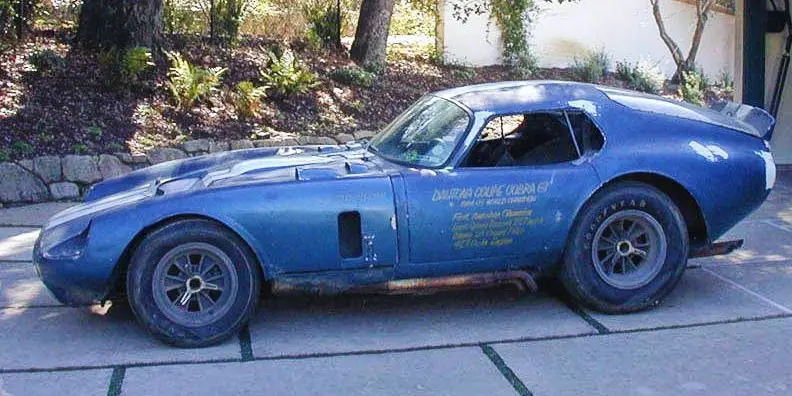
(627, 250)
(193, 283)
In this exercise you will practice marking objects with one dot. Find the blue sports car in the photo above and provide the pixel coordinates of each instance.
(609, 190)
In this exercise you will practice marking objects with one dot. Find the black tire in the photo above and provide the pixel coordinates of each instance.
(226, 254)
(582, 271)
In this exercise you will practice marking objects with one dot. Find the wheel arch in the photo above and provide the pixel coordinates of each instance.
(698, 232)
(119, 281)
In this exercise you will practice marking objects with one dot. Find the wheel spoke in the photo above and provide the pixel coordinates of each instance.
(639, 252)
(181, 266)
(213, 278)
(206, 299)
(208, 268)
(603, 247)
(176, 278)
(174, 286)
(613, 231)
(212, 286)
(607, 262)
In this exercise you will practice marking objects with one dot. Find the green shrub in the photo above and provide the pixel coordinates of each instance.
(640, 76)
(135, 61)
(286, 75)
(466, 73)
(324, 22)
(46, 61)
(725, 81)
(354, 76)
(79, 148)
(188, 83)
(692, 88)
(5, 155)
(247, 99)
(592, 67)
(124, 68)
(21, 147)
(226, 18)
(413, 18)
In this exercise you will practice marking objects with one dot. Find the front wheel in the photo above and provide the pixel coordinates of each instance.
(627, 250)
(193, 283)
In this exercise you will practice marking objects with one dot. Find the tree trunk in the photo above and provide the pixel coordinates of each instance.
(684, 64)
(120, 23)
(371, 36)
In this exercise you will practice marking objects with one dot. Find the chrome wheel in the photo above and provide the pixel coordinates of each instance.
(629, 249)
(194, 284)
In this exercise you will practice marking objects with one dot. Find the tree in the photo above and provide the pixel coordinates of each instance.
(684, 63)
(371, 36)
(120, 23)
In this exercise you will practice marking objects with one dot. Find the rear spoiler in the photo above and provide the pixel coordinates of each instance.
(760, 122)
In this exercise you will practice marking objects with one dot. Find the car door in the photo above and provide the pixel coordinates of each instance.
(496, 215)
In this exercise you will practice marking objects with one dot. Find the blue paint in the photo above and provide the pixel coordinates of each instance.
(415, 222)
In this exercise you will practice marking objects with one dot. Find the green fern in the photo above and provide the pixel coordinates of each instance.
(247, 99)
(135, 61)
(286, 75)
(188, 83)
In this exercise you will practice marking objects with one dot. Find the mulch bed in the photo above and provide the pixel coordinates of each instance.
(76, 110)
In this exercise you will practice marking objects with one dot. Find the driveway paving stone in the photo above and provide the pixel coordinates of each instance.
(730, 359)
(459, 371)
(700, 297)
(771, 280)
(764, 241)
(32, 215)
(44, 338)
(16, 243)
(409, 322)
(65, 383)
(21, 287)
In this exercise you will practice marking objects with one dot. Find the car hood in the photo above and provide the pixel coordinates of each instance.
(277, 164)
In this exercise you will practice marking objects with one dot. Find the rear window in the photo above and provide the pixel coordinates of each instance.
(658, 105)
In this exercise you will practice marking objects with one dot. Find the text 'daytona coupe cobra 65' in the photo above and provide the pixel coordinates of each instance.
(610, 191)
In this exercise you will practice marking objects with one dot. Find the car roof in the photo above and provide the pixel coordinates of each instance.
(518, 96)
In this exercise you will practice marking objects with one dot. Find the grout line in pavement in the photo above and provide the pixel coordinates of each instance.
(402, 350)
(579, 311)
(507, 372)
(749, 291)
(596, 324)
(116, 381)
(20, 226)
(780, 227)
(15, 261)
(245, 348)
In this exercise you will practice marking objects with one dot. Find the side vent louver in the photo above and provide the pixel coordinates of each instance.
(350, 242)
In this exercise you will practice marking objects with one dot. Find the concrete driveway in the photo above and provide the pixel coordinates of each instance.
(725, 330)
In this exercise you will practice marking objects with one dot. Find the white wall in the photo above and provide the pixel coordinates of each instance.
(624, 28)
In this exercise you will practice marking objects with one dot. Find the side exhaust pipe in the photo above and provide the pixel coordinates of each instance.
(717, 249)
(522, 280)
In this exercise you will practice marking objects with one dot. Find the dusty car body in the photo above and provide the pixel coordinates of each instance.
(328, 218)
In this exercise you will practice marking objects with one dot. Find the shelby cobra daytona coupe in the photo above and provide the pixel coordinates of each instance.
(609, 190)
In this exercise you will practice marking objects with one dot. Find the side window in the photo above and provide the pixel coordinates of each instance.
(529, 139)
(587, 135)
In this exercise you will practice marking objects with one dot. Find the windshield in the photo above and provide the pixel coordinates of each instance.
(425, 135)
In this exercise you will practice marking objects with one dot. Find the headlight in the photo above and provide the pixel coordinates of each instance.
(65, 241)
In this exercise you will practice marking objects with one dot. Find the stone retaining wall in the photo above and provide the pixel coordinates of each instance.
(68, 177)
